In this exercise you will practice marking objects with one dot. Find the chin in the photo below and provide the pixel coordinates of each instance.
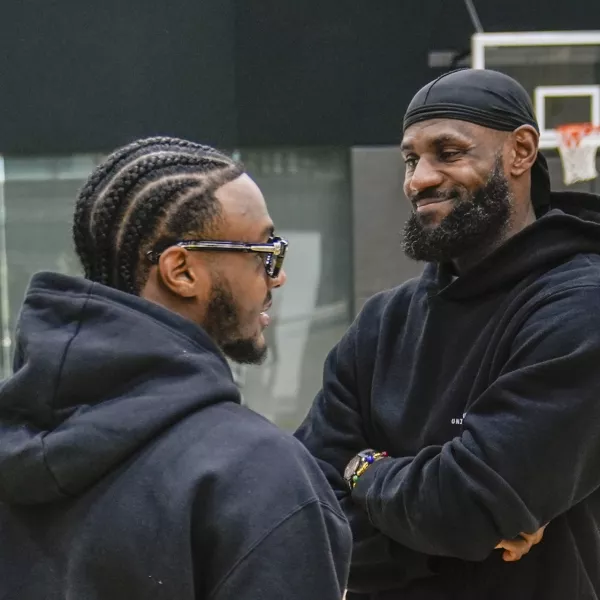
(250, 351)
(432, 219)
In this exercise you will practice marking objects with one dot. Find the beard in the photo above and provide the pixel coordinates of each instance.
(223, 324)
(476, 222)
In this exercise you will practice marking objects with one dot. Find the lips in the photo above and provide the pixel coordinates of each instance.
(264, 319)
(428, 201)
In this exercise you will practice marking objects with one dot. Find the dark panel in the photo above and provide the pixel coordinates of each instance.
(325, 72)
(82, 76)
(78, 76)
(318, 72)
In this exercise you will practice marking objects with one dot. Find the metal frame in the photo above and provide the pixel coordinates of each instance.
(5, 337)
(548, 137)
(480, 41)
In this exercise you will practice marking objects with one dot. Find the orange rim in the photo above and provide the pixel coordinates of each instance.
(573, 133)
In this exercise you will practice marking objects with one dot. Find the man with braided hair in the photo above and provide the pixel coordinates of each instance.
(128, 468)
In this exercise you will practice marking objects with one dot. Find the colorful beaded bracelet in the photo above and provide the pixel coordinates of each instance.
(366, 462)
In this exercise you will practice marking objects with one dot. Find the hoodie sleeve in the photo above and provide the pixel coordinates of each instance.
(529, 449)
(333, 433)
(314, 541)
(265, 522)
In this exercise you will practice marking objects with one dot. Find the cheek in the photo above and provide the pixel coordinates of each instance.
(468, 177)
(251, 292)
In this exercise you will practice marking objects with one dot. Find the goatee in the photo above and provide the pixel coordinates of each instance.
(222, 323)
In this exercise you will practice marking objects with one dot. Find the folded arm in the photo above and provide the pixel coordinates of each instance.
(528, 452)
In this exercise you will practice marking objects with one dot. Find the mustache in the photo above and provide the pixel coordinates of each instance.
(433, 193)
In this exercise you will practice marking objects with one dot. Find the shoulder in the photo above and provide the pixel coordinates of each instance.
(574, 284)
(564, 313)
(401, 293)
(580, 270)
(256, 492)
(388, 305)
(244, 461)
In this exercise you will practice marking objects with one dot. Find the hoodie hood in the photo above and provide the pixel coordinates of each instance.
(98, 373)
(571, 226)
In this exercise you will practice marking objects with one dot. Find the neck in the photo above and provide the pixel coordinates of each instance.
(517, 223)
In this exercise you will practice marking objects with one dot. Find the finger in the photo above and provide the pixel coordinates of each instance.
(517, 545)
(508, 556)
(531, 538)
(513, 555)
(514, 549)
(534, 538)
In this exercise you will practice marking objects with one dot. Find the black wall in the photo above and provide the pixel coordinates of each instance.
(331, 72)
(82, 76)
(77, 75)
(325, 72)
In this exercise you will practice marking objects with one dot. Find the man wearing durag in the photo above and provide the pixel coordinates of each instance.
(459, 414)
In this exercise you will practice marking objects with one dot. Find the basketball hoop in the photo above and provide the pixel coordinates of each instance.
(577, 146)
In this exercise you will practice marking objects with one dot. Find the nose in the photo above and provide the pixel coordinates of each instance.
(424, 176)
(276, 282)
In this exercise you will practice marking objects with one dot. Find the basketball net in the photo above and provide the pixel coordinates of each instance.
(577, 146)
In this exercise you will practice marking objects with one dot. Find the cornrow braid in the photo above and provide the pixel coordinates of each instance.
(97, 181)
(111, 206)
(149, 210)
(155, 188)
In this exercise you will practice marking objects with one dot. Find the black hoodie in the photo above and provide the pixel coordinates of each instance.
(129, 470)
(485, 390)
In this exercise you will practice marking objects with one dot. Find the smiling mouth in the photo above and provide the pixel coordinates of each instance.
(429, 201)
(264, 318)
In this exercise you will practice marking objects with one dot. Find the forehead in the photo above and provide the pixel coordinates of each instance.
(436, 131)
(245, 213)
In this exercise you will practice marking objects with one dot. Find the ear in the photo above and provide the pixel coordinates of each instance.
(525, 149)
(184, 275)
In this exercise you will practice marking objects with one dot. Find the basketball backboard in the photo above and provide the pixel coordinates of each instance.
(559, 69)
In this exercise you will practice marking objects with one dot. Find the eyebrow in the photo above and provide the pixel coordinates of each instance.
(439, 140)
(268, 232)
(446, 138)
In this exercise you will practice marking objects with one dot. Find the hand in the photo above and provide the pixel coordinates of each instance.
(515, 549)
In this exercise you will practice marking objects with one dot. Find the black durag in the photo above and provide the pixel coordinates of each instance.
(487, 98)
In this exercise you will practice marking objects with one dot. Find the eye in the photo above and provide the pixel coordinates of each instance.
(450, 155)
(411, 162)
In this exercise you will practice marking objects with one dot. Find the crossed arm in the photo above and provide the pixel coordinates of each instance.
(529, 451)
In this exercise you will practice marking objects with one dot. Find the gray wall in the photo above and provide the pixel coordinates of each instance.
(379, 212)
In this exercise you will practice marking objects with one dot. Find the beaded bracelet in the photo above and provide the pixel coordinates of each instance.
(366, 462)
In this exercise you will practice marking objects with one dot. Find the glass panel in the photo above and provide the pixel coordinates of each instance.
(39, 196)
(308, 195)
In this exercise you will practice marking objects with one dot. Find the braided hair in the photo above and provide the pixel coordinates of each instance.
(150, 193)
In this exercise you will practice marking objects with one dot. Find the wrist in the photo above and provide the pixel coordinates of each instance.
(359, 464)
